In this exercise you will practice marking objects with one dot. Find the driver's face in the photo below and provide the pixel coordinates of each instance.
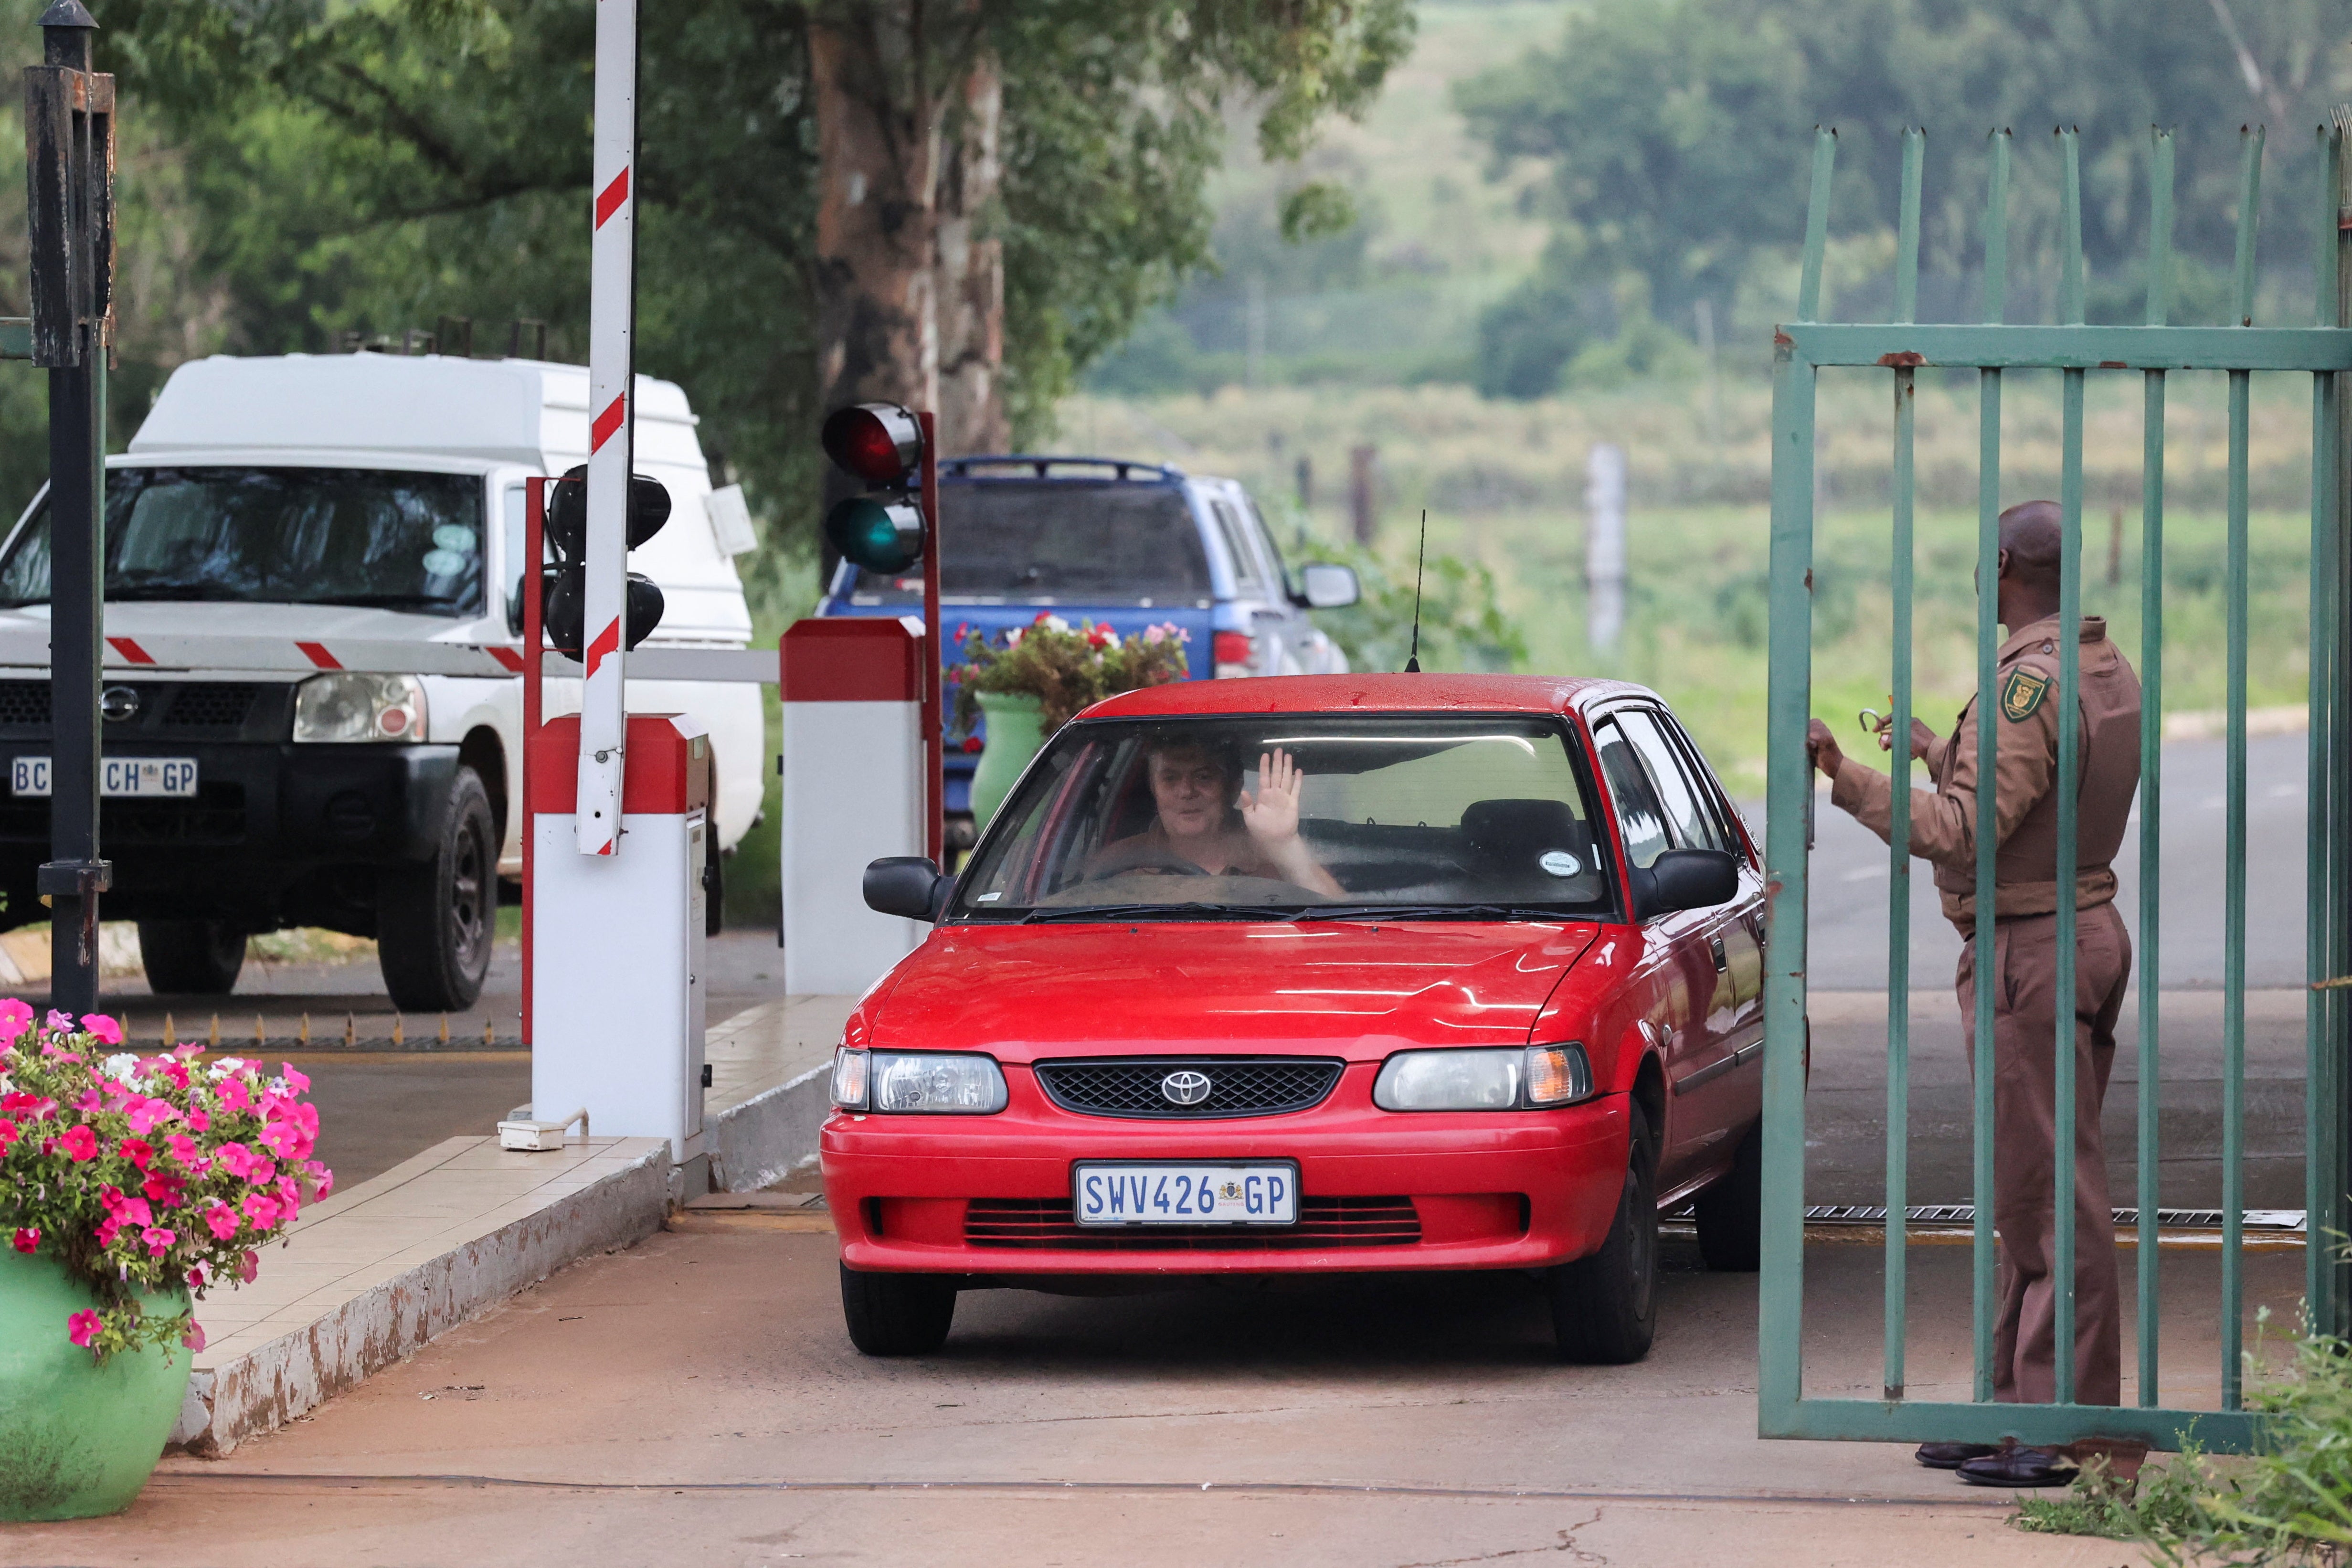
(1191, 790)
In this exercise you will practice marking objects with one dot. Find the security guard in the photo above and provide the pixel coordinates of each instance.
(2026, 889)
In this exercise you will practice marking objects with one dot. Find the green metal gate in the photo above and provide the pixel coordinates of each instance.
(2323, 350)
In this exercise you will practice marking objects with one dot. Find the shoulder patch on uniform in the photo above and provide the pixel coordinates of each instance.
(2021, 694)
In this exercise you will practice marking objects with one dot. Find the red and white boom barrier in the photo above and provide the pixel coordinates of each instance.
(854, 772)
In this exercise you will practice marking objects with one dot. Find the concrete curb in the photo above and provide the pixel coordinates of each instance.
(761, 1140)
(295, 1372)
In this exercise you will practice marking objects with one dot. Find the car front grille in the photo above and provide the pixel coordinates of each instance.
(218, 708)
(215, 816)
(1323, 1223)
(1238, 1086)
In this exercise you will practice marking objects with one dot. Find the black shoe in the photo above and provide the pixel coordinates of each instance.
(2019, 1468)
(1952, 1456)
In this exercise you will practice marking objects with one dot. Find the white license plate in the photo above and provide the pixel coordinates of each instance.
(120, 776)
(1127, 1194)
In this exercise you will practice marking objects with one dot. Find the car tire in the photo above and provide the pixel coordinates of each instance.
(191, 958)
(1604, 1308)
(1731, 1213)
(896, 1314)
(435, 921)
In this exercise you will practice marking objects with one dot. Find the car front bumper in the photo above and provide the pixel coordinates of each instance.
(977, 1195)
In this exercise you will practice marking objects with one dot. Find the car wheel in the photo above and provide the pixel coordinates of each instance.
(896, 1314)
(1731, 1213)
(434, 921)
(1604, 1308)
(191, 958)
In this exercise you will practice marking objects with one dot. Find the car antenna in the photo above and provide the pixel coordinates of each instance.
(1412, 659)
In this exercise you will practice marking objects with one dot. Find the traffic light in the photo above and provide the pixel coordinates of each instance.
(884, 531)
(564, 585)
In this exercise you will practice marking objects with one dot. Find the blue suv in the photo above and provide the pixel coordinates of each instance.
(1123, 543)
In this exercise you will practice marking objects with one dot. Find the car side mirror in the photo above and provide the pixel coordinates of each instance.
(1684, 879)
(908, 885)
(1325, 585)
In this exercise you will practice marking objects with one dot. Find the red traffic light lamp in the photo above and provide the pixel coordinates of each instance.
(881, 443)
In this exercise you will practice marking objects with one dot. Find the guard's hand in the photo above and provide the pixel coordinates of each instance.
(1823, 748)
(1922, 738)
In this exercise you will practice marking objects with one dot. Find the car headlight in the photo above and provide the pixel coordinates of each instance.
(922, 1082)
(345, 705)
(1518, 1078)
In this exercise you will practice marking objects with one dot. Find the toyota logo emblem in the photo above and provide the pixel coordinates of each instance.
(119, 703)
(1186, 1088)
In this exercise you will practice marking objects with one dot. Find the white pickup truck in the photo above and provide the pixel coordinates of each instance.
(326, 501)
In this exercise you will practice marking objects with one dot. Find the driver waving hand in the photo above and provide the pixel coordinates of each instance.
(1205, 824)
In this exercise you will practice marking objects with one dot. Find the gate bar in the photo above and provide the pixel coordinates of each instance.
(1899, 838)
(2319, 1096)
(1980, 1254)
(2234, 911)
(2064, 1250)
(2148, 1319)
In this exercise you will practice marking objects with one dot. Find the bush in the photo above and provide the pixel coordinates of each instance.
(1462, 626)
(2291, 1504)
(1066, 668)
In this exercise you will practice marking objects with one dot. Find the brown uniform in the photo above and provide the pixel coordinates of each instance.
(2026, 889)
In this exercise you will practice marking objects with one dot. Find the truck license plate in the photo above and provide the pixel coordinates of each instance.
(169, 776)
(1127, 1194)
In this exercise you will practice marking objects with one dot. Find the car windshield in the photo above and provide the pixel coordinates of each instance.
(1058, 541)
(1419, 816)
(284, 536)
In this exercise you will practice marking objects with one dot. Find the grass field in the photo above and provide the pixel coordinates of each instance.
(1504, 485)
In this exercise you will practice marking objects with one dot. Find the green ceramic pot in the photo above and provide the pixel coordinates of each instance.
(76, 1440)
(1017, 728)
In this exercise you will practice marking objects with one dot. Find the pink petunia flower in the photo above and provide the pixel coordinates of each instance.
(296, 1080)
(82, 1328)
(195, 1338)
(108, 1229)
(234, 1095)
(158, 1239)
(147, 1114)
(103, 1027)
(183, 1149)
(248, 1266)
(235, 1158)
(60, 1023)
(196, 1275)
(222, 1219)
(31, 1107)
(9, 1131)
(15, 1017)
(322, 1180)
(79, 1143)
(261, 1209)
(26, 1239)
(201, 1120)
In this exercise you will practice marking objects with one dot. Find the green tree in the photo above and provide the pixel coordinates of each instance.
(1676, 132)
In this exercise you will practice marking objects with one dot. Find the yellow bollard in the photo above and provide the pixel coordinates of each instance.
(399, 1032)
(168, 1041)
(212, 1041)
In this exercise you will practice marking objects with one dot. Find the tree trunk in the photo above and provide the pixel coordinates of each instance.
(971, 278)
(877, 155)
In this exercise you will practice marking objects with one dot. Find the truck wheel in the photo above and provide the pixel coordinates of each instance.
(1731, 1213)
(896, 1314)
(434, 922)
(1604, 1308)
(191, 958)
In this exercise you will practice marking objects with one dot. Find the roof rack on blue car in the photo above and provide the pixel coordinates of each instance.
(1022, 466)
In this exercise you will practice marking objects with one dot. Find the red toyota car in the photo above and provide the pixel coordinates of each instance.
(1317, 973)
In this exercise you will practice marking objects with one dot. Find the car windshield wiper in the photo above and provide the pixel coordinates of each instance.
(1159, 913)
(1430, 913)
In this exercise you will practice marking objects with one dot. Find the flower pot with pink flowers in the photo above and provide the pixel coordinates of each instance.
(131, 1186)
(1028, 681)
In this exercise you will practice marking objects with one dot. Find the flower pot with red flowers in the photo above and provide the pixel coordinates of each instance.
(129, 1187)
(1015, 690)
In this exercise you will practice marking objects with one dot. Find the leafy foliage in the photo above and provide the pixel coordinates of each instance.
(1463, 624)
(1676, 134)
(1066, 667)
(2291, 1504)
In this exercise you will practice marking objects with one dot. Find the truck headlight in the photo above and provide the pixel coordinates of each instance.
(1517, 1079)
(918, 1082)
(344, 705)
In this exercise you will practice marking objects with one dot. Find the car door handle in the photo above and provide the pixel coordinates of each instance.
(1722, 960)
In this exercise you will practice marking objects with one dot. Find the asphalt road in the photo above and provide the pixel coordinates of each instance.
(694, 1400)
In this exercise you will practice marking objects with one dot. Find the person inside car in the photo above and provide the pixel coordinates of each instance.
(1205, 824)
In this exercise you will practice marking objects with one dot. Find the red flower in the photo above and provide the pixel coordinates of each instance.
(26, 1239)
(163, 1189)
(82, 1328)
(79, 1143)
(138, 1150)
(8, 1130)
(1043, 617)
(972, 743)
